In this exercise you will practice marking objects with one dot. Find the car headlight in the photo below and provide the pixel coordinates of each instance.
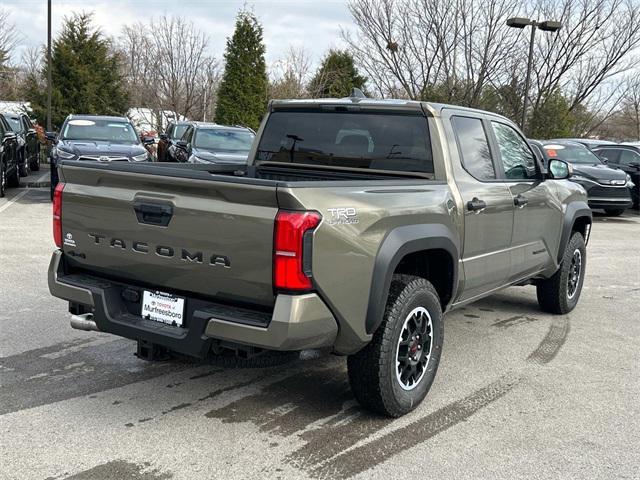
(630, 183)
(143, 157)
(581, 179)
(58, 152)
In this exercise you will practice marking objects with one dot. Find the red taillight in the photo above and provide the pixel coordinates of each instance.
(57, 214)
(288, 249)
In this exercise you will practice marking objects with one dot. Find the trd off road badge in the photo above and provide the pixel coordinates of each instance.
(343, 216)
(69, 241)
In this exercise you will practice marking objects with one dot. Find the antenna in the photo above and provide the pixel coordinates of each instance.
(356, 93)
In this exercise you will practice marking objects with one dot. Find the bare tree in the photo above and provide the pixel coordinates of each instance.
(181, 62)
(137, 65)
(290, 75)
(31, 61)
(462, 51)
(598, 41)
(168, 66)
(624, 123)
(9, 37)
(426, 48)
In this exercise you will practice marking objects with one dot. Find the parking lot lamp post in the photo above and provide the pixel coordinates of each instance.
(49, 66)
(547, 26)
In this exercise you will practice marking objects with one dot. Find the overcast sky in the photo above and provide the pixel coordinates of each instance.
(312, 24)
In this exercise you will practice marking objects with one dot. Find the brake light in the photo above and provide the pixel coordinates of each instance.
(57, 214)
(289, 249)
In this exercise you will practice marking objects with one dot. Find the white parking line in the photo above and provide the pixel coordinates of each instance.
(20, 195)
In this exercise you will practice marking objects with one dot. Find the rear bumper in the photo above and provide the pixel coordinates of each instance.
(297, 322)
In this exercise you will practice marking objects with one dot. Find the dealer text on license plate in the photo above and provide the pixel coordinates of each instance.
(163, 307)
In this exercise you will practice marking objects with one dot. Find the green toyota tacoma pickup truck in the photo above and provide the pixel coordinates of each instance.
(355, 226)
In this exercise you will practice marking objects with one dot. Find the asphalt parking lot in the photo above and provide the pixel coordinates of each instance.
(519, 393)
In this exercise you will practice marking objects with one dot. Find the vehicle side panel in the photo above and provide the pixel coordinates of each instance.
(347, 242)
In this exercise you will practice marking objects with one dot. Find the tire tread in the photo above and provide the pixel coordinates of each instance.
(367, 366)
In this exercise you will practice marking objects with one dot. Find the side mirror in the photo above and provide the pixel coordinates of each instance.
(559, 169)
(182, 144)
(148, 140)
(604, 159)
(634, 164)
(51, 136)
(163, 136)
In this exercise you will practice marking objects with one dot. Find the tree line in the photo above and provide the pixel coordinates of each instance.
(451, 51)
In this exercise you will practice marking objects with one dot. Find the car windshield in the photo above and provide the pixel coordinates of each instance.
(14, 123)
(179, 130)
(572, 154)
(380, 141)
(222, 140)
(100, 130)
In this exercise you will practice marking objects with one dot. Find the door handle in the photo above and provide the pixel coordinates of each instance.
(520, 201)
(476, 205)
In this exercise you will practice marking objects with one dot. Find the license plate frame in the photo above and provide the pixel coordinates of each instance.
(163, 307)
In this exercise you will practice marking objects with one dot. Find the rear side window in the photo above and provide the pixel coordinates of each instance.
(178, 131)
(474, 147)
(612, 155)
(14, 123)
(186, 135)
(627, 157)
(380, 141)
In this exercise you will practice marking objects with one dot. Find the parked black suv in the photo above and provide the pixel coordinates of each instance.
(28, 144)
(95, 138)
(212, 143)
(167, 143)
(627, 159)
(9, 167)
(607, 188)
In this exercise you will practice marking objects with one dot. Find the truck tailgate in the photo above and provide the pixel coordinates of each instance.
(208, 237)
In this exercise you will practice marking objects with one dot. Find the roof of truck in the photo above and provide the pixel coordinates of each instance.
(390, 103)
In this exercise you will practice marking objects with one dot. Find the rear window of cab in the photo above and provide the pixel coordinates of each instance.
(377, 141)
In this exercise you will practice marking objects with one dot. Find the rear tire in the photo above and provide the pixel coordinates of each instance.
(23, 165)
(394, 373)
(560, 293)
(614, 212)
(13, 179)
(35, 165)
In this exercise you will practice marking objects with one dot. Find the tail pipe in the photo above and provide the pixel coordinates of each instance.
(84, 322)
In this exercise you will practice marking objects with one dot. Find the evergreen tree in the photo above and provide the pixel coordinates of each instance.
(551, 118)
(85, 74)
(242, 96)
(336, 76)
